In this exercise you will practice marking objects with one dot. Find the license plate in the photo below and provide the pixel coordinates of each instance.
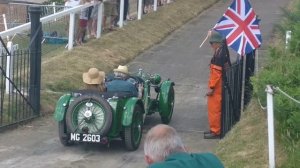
(84, 137)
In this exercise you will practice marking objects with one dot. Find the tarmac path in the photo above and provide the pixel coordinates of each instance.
(36, 145)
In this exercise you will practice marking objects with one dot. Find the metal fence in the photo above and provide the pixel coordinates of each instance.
(231, 97)
(14, 88)
(20, 72)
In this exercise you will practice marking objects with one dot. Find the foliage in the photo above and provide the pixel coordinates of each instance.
(283, 71)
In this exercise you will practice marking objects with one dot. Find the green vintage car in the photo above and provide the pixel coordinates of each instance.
(100, 117)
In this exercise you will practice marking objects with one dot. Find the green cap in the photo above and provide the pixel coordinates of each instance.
(215, 37)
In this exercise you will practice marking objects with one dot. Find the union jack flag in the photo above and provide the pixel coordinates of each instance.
(240, 25)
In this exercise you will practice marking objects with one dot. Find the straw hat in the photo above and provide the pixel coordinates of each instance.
(216, 37)
(93, 76)
(122, 69)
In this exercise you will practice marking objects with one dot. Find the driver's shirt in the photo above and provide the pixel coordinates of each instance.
(119, 85)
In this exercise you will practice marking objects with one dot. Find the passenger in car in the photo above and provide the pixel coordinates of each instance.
(120, 83)
(94, 80)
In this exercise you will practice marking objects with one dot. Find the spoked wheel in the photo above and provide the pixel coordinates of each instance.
(133, 133)
(89, 114)
(63, 136)
(169, 106)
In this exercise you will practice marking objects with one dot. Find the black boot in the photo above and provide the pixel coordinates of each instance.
(211, 136)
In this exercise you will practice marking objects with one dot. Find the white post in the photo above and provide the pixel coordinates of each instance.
(243, 83)
(288, 36)
(71, 31)
(271, 139)
(5, 25)
(155, 5)
(54, 9)
(121, 13)
(99, 20)
(9, 67)
(140, 10)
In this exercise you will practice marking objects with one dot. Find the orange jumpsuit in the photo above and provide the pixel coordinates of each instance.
(214, 102)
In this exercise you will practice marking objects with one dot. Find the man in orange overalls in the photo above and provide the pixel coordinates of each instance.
(214, 94)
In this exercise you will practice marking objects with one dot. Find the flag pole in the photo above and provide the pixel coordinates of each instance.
(208, 34)
(256, 62)
(203, 41)
(243, 82)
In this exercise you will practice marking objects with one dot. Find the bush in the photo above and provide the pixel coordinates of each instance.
(283, 71)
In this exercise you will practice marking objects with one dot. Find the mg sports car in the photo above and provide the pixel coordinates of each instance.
(86, 116)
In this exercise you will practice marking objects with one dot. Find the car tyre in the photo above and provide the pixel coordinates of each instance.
(77, 107)
(133, 133)
(63, 136)
(170, 104)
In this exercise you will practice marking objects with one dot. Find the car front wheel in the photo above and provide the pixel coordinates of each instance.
(170, 106)
(133, 133)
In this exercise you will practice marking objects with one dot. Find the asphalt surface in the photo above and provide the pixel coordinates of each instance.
(36, 145)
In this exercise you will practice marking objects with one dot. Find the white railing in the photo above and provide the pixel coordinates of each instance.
(45, 19)
(270, 108)
(9, 66)
(271, 139)
(140, 11)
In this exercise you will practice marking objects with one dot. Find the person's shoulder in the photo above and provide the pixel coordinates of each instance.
(73, 3)
(109, 77)
(206, 154)
(200, 160)
(208, 158)
(159, 165)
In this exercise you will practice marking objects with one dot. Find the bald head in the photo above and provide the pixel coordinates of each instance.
(161, 141)
(160, 131)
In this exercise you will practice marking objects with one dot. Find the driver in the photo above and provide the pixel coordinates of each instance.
(120, 83)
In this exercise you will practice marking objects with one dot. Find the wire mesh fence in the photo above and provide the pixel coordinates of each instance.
(15, 14)
(55, 31)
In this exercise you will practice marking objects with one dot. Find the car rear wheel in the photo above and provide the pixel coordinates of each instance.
(170, 106)
(133, 133)
(89, 114)
(63, 136)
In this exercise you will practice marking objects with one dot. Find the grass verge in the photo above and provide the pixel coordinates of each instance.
(246, 145)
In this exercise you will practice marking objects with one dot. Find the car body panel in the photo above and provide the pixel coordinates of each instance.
(117, 106)
(128, 110)
(61, 107)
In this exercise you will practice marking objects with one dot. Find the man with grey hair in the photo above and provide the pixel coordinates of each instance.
(163, 148)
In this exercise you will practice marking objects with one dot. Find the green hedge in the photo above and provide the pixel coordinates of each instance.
(283, 70)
